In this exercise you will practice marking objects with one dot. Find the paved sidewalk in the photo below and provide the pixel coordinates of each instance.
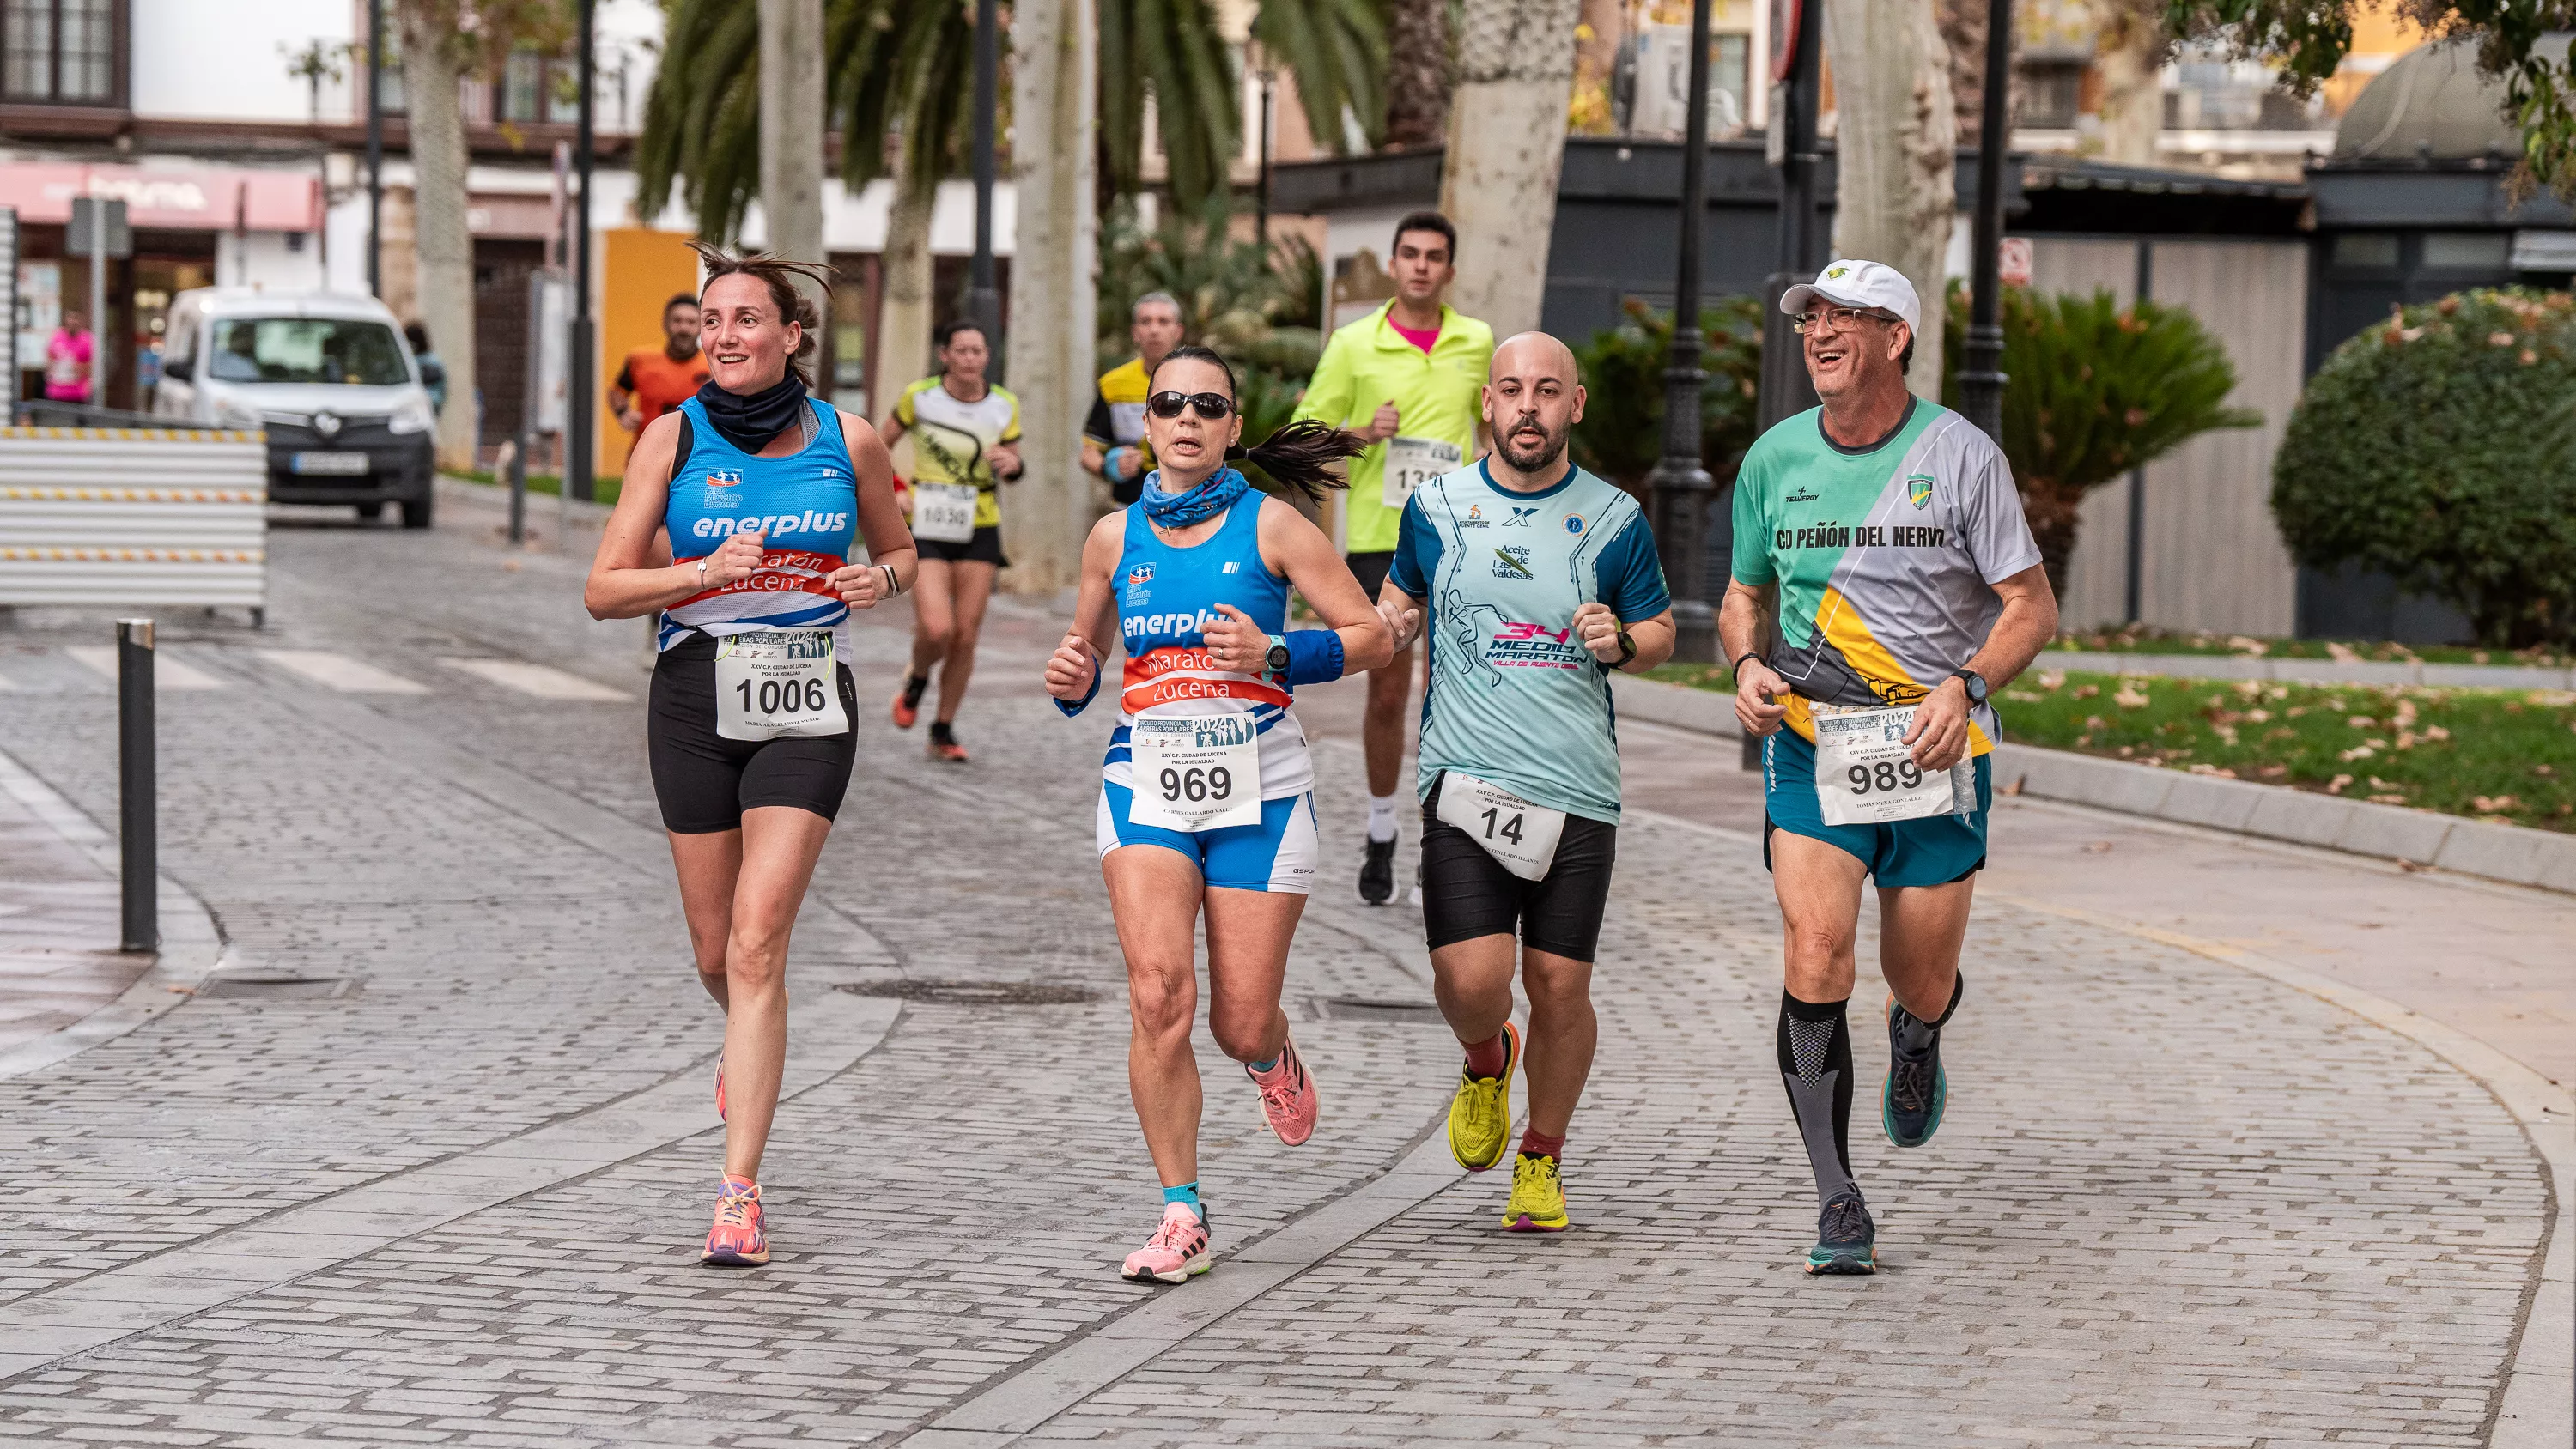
(59, 926)
(2175, 1202)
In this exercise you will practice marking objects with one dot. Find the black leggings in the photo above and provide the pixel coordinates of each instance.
(1467, 893)
(705, 781)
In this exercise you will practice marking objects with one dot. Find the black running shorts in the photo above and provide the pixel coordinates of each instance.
(984, 547)
(1466, 893)
(1370, 569)
(705, 781)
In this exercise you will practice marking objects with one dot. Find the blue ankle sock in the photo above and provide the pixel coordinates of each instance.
(1265, 1068)
(1187, 1195)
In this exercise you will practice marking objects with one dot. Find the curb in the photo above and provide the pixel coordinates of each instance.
(563, 517)
(2512, 854)
(191, 944)
(2311, 671)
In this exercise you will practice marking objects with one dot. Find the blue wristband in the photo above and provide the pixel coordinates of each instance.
(1079, 705)
(1314, 656)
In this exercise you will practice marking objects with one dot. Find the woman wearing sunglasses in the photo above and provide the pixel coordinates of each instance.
(1204, 802)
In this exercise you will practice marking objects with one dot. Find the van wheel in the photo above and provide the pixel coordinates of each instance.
(377, 512)
(415, 513)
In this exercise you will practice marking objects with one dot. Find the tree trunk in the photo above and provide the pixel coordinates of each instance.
(442, 248)
(1896, 144)
(1417, 74)
(2051, 511)
(2129, 46)
(1054, 66)
(904, 319)
(1963, 30)
(1506, 146)
(791, 127)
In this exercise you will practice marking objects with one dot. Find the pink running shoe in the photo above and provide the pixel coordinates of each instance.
(1288, 1096)
(1176, 1253)
(720, 1110)
(738, 1239)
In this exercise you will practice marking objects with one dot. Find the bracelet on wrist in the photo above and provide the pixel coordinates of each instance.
(1738, 666)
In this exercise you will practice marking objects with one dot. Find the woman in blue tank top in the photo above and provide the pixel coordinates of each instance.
(763, 492)
(1204, 803)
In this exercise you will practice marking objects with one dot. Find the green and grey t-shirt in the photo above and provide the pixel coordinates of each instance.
(1514, 698)
(1885, 556)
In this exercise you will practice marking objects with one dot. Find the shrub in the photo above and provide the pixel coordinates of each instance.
(1621, 436)
(2095, 389)
(2423, 450)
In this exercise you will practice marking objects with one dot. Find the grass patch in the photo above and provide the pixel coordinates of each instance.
(2152, 641)
(1698, 676)
(2503, 755)
(603, 490)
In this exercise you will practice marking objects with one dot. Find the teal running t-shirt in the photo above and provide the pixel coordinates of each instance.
(1886, 557)
(1514, 698)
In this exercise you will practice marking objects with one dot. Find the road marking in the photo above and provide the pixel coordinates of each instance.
(340, 672)
(543, 681)
(167, 673)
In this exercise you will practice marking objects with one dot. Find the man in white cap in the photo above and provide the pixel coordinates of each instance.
(1883, 537)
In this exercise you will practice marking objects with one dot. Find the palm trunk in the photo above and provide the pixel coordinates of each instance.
(1506, 147)
(442, 248)
(791, 127)
(1895, 137)
(1054, 95)
(2129, 58)
(1417, 74)
(2051, 510)
(904, 320)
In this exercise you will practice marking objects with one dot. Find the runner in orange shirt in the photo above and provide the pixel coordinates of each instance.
(658, 379)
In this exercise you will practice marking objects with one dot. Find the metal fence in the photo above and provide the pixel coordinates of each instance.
(105, 517)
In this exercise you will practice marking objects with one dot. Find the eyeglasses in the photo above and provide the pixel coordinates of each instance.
(1834, 319)
(1209, 405)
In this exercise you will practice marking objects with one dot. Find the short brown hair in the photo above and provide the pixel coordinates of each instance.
(779, 275)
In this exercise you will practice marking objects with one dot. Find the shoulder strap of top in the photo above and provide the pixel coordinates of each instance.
(687, 440)
(827, 418)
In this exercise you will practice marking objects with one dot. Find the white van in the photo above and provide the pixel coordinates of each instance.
(328, 376)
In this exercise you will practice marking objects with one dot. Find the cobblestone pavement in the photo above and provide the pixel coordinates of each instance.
(2174, 1203)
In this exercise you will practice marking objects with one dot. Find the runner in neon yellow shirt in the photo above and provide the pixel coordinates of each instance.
(1408, 377)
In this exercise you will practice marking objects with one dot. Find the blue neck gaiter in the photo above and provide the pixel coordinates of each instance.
(1214, 494)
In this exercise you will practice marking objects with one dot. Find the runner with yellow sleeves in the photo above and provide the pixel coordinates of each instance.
(1408, 377)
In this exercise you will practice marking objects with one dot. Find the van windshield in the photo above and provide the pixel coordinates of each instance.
(307, 349)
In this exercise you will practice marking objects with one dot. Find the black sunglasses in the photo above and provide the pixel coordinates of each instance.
(1210, 405)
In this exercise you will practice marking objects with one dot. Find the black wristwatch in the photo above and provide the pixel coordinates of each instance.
(1976, 684)
(1627, 650)
(1277, 659)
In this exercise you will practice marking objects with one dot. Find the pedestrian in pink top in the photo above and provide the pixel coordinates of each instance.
(67, 360)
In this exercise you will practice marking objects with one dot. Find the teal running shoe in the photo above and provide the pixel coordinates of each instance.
(1846, 1239)
(1910, 1104)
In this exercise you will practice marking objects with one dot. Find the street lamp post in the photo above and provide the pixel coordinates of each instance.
(1981, 375)
(983, 293)
(375, 147)
(1261, 202)
(1680, 482)
(580, 417)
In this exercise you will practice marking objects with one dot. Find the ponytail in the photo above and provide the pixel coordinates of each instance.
(1298, 456)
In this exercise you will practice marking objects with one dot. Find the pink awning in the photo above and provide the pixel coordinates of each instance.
(194, 198)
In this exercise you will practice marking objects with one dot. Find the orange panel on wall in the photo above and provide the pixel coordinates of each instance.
(639, 271)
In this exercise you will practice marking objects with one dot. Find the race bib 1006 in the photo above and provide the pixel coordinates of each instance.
(1195, 772)
(1412, 462)
(943, 512)
(776, 682)
(1866, 775)
(1519, 835)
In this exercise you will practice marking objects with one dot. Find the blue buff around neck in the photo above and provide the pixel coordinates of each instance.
(1213, 495)
(1314, 656)
(1187, 1195)
(1070, 708)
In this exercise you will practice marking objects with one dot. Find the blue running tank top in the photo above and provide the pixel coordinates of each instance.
(1167, 597)
(807, 507)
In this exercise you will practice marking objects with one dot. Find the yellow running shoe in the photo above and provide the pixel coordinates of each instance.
(1480, 1116)
(1538, 1199)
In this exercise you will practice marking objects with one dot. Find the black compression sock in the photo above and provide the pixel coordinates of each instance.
(1816, 1066)
(913, 687)
(943, 732)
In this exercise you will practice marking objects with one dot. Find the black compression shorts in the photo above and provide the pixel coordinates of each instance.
(705, 781)
(984, 547)
(1466, 893)
(1370, 569)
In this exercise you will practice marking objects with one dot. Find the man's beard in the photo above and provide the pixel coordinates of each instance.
(1542, 457)
(679, 351)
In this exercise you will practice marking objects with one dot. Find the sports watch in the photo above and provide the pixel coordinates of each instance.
(1975, 682)
(1276, 661)
(1627, 650)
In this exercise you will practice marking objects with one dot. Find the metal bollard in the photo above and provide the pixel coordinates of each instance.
(134, 781)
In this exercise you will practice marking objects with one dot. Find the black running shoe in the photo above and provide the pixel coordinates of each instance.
(1377, 873)
(1909, 1105)
(1846, 1240)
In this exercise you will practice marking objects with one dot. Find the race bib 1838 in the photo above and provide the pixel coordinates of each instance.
(1195, 772)
(1412, 462)
(1866, 775)
(776, 682)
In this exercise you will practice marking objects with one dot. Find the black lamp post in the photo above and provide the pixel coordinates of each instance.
(375, 146)
(983, 292)
(1981, 375)
(1680, 481)
(1797, 47)
(580, 408)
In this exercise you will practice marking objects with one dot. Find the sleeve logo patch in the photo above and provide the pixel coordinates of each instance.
(1574, 523)
(1918, 488)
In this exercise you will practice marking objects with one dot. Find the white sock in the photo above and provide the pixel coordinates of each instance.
(1382, 817)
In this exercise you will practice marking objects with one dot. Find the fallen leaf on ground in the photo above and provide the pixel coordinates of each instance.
(2243, 645)
(2087, 691)
(2387, 799)
(2129, 698)
(2335, 786)
(2096, 847)
(2340, 654)
(2052, 679)
(2495, 804)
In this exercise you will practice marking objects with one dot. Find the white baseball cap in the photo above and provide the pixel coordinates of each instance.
(1859, 284)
